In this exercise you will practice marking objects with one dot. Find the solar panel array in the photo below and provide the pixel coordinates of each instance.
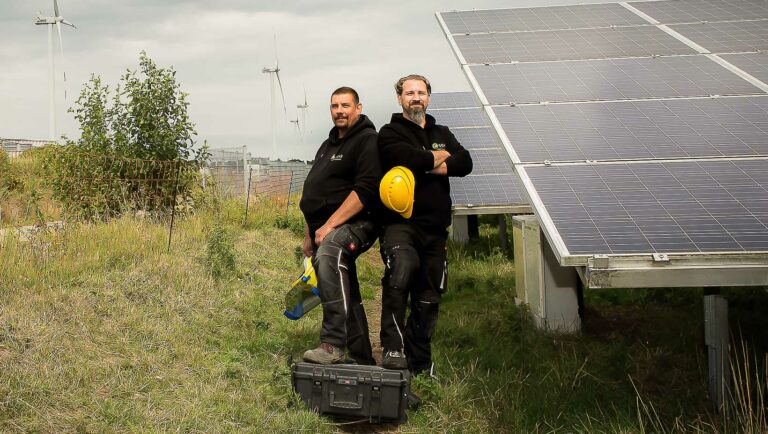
(492, 181)
(642, 126)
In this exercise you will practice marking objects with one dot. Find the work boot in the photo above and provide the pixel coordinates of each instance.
(393, 359)
(325, 354)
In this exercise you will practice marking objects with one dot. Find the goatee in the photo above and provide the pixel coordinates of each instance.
(416, 114)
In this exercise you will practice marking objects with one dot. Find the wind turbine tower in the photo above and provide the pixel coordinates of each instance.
(304, 108)
(56, 20)
(274, 75)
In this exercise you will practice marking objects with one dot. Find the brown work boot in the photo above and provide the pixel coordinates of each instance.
(325, 354)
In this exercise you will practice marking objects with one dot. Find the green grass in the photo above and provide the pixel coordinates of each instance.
(102, 330)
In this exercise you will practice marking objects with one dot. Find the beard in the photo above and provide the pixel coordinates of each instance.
(416, 114)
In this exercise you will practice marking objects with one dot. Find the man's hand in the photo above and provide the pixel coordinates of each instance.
(440, 157)
(307, 247)
(442, 169)
(321, 233)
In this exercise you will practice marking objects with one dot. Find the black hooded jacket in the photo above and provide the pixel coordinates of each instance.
(404, 143)
(342, 166)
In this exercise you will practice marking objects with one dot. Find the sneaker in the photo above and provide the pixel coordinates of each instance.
(325, 354)
(393, 359)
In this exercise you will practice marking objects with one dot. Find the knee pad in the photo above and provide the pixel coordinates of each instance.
(401, 263)
(328, 259)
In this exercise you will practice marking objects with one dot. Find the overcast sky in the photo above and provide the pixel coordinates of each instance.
(219, 47)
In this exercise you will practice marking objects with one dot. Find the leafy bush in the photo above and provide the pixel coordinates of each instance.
(9, 179)
(135, 150)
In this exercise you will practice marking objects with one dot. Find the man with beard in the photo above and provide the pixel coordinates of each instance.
(338, 194)
(413, 242)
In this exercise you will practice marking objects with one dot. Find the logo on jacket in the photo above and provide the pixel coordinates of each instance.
(438, 146)
(337, 157)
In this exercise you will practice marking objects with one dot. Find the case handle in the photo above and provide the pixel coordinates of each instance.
(346, 404)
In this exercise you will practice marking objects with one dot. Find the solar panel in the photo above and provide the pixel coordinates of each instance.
(755, 64)
(692, 206)
(478, 138)
(553, 18)
(452, 100)
(648, 145)
(488, 190)
(491, 161)
(610, 79)
(634, 130)
(730, 37)
(693, 11)
(492, 182)
(458, 118)
(599, 43)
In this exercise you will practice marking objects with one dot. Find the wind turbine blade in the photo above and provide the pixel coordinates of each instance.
(56, 9)
(61, 46)
(305, 97)
(69, 24)
(279, 83)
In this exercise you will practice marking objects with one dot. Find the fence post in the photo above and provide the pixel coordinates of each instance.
(288, 199)
(245, 163)
(173, 205)
(248, 196)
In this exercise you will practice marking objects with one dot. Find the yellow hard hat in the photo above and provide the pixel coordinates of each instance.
(396, 190)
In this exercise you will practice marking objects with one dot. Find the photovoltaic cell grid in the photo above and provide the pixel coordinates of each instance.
(452, 100)
(693, 11)
(697, 207)
(755, 64)
(711, 206)
(633, 130)
(459, 118)
(609, 79)
(492, 181)
(552, 18)
(478, 138)
(598, 43)
(487, 190)
(730, 37)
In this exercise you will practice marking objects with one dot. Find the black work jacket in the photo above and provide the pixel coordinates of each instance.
(342, 166)
(404, 143)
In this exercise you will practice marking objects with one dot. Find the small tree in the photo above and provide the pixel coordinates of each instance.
(145, 118)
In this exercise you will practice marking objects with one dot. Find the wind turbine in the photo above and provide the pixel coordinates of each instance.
(56, 20)
(298, 128)
(274, 73)
(304, 109)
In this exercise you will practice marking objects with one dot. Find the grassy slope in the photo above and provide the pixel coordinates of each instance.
(101, 331)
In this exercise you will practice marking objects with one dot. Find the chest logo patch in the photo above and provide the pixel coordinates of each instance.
(337, 157)
(438, 146)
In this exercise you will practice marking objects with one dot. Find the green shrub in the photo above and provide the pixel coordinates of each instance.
(220, 251)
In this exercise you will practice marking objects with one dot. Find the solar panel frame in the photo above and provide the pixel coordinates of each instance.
(694, 11)
(608, 79)
(599, 43)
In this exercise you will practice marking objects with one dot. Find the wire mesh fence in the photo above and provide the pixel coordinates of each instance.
(236, 174)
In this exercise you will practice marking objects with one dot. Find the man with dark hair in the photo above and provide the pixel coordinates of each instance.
(338, 194)
(413, 243)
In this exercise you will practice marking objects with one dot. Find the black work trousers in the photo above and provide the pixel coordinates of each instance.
(344, 320)
(416, 268)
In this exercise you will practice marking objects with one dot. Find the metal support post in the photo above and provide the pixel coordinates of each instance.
(459, 229)
(716, 339)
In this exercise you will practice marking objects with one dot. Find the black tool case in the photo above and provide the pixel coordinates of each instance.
(353, 391)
